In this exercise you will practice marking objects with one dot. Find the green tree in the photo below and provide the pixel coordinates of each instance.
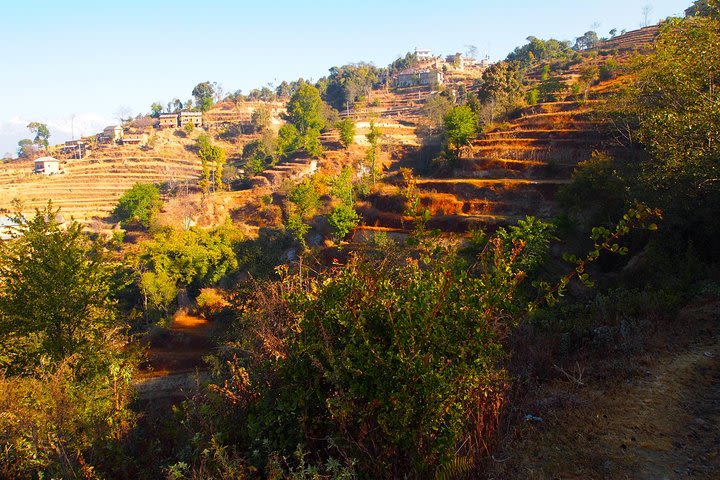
(460, 128)
(213, 159)
(588, 40)
(305, 109)
(346, 127)
(342, 219)
(204, 93)
(138, 204)
(156, 109)
(288, 141)
(707, 8)
(42, 133)
(371, 156)
(673, 109)
(58, 303)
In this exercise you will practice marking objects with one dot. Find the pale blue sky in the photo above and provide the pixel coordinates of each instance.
(87, 59)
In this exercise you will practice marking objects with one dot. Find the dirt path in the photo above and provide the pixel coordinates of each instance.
(663, 423)
(175, 358)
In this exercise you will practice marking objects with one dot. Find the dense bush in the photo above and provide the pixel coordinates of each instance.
(138, 204)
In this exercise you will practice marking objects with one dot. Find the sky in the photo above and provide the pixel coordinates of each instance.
(74, 64)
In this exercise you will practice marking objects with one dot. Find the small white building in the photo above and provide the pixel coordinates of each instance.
(47, 165)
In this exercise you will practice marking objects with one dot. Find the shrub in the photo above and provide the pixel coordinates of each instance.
(608, 70)
(210, 302)
(138, 204)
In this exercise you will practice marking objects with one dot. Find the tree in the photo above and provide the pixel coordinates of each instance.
(588, 40)
(261, 118)
(436, 107)
(305, 109)
(58, 303)
(139, 204)
(500, 87)
(371, 157)
(26, 148)
(537, 50)
(342, 219)
(42, 133)
(346, 127)
(706, 8)
(288, 141)
(204, 94)
(156, 109)
(213, 159)
(460, 127)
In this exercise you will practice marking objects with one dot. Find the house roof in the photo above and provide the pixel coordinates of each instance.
(46, 159)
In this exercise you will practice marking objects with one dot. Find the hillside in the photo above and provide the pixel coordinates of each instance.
(515, 169)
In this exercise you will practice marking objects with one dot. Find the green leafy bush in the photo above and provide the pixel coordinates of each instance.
(138, 204)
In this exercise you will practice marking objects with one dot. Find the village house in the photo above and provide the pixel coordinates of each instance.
(413, 77)
(111, 134)
(191, 117)
(47, 165)
(140, 139)
(168, 120)
(76, 149)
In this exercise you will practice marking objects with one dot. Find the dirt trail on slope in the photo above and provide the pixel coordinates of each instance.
(663, 425)
(175, 358)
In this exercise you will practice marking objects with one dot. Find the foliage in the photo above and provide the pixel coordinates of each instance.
(708, 8)
(42, 133)
(213, 160)
(350, 83)
(193, 258)
(305, 197)
(204, 93)
(460, 127)
(401, 392)
(138, 204)
(550, 89)
(436, 107)
(305, 109)
(288, 140)
(537, 50)
(26, 148)
(156, 109)
(535, 235)
(597, 189)
(261, 118)
(673, 109)
(56, 297)
(158, 290)
(210, 301)
(346, 127)
(371, 157)
(342, 219)
(608, 70)
(501, 88)
(586, 41)
(61, 423)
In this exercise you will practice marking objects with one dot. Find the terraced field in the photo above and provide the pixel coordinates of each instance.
(514, 169)
(91, 186)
